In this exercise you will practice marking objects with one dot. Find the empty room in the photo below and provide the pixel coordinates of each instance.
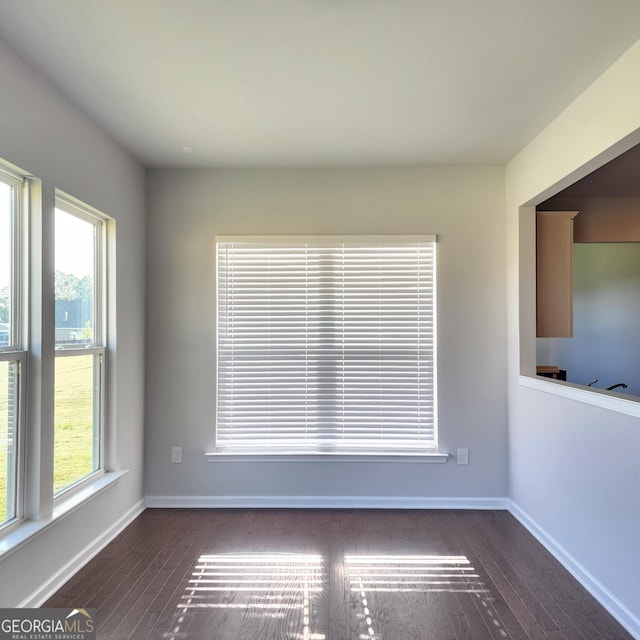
(318, 319)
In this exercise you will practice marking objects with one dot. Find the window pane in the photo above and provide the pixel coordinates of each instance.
(6, 262)
(75, 280)
(8, 438)
(77, 406)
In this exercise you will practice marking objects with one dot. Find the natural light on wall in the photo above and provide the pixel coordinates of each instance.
(326, 344)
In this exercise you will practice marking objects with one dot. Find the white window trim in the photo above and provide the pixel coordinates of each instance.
(435, 457)
(22, 531)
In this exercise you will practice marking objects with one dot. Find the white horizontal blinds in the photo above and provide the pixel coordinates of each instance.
(326, 344)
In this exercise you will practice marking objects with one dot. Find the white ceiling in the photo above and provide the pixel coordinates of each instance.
(321, 82)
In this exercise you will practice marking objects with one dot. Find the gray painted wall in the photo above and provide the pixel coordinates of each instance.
(187, 208)
(574, 468)
(44, 134)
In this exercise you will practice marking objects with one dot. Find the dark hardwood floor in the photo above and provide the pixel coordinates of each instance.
(332, 575)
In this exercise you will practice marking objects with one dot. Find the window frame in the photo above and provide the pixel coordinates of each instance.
(17, 318)
(15, 350)
(33, 349)
(321, 452)
(98, 346)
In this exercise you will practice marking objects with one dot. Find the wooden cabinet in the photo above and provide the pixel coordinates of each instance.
(554, 274)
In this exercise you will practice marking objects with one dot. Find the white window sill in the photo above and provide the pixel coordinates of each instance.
(24, 530)
(295, 456)
(628, 405)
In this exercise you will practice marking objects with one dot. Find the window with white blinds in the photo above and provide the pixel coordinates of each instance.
(326, 344)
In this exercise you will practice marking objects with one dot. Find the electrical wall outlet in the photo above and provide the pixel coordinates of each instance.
(176, 454)
(463, 456)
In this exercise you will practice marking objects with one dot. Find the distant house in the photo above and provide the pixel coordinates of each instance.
(72, 317)
(4, 334)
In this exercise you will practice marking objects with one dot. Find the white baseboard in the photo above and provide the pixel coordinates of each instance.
(321, 502)
(618, 610)
(46, 590)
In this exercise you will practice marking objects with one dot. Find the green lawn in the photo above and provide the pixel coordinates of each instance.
(73, 450)
(4, 369)
(3, 485)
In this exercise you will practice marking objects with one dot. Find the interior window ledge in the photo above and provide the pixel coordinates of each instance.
(261, 456)
(24, 530)
(628, 405)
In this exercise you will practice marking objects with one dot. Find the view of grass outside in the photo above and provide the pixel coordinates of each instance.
(5, 437)
(3, 483)
(74, 411)
(73, 456)
(76, 397)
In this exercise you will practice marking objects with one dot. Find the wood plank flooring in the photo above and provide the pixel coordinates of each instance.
(332, 575)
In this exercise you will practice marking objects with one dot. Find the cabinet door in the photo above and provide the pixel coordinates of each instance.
(554, 272)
